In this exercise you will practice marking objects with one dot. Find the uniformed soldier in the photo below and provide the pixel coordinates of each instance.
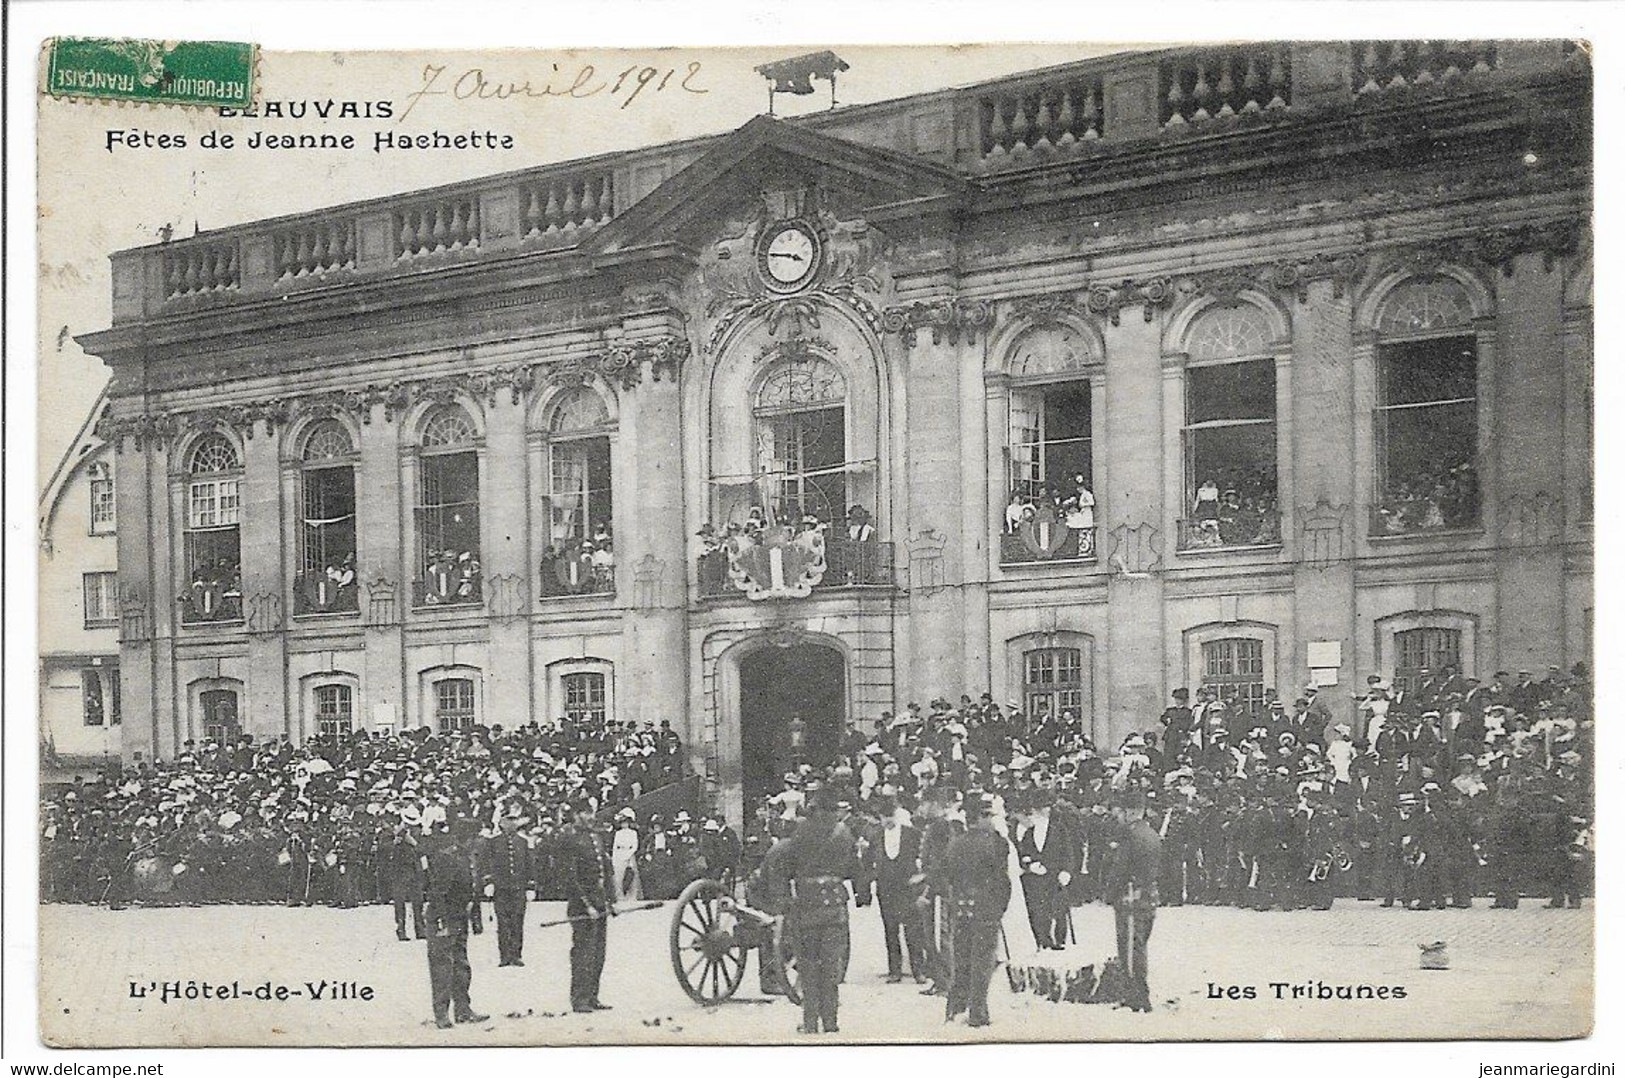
(586, 869)
(817, 862)
(1131, 889)
(975, 871)
(505, 868)
(449, 891)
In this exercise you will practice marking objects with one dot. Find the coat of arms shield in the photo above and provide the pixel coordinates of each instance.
(780, 562)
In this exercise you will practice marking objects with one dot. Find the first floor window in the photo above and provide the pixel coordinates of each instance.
(327, 580)
(95, 699)
(581, 501)
(101, 599)
(1235, 667)
(1053, 682)
(214, 575)
(453, 704)
(1427, 435)
(449, 528)
(335, 710)
(1230, 455)
(220, 723)
(1429, 649)
(584, 697)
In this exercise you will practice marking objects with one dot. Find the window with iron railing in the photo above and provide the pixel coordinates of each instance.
(335, 710)
(453, 704)
(1052, 682)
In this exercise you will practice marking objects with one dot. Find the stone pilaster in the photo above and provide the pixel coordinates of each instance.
(505, 559)
(386, 588)
(1322, 491)
(265, 710)
(1527, 485)
(650, 549)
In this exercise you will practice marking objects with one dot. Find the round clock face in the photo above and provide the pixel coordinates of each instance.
(789, 256)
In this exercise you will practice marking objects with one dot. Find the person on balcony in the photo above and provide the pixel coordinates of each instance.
(858, 527)
(1080, 506)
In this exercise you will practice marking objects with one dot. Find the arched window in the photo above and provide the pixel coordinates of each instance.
(1052, 682)
(1427, 409)
(335, 710)
(800, 415)
(327, 535)
(1050, 459)
(103, 515)
(580, 555)
(448, 510)
(213, 532)
(453, 704)
(1229, 432)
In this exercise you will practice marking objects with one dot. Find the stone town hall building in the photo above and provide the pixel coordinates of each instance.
(1247, 365)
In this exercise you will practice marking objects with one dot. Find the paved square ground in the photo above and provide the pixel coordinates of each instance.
(1514, 973)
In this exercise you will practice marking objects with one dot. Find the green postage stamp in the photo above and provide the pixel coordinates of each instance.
(214, 73)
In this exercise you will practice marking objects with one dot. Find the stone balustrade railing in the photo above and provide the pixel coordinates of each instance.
(1027, 121)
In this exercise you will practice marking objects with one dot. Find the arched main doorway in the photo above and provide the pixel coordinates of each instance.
(792, 708)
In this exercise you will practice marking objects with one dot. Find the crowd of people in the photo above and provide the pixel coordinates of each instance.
(1436, 793)
(587, 565)
(1445, 496)
(451, 576)
(324, 822)
(1240, 511)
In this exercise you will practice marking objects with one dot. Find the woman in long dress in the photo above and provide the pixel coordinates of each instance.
(623, 858)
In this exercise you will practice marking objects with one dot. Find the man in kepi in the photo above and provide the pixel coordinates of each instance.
(448, 893)
(505, 865)
(978, 892)
(817, 862)
(1131, 888)
(586, 869)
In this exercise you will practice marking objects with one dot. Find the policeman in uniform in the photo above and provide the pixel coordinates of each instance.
(588, 882)
(938, 830)
(505, 865)
(1131, 888)
(978, 886)
(448, 893)
(817, 862)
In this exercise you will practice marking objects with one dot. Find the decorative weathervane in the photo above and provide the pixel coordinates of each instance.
(796, 75)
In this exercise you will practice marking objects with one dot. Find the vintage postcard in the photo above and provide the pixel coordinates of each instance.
(1067, 542)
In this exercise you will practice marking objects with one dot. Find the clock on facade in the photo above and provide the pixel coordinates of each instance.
(788, 255)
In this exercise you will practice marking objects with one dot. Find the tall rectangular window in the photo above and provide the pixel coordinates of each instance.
(327, 542)
(1050, 440)
(453, 704)
(1427, 435)
(220, 723)
(101, 600)
(1053, 682)
(335, 710)
(581, 502)
(1230, 479)
(103, 515)
(584, 697)
(449, 527)
(1236, 668)
(1429, 649)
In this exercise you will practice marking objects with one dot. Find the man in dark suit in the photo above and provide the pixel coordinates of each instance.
(978, 892)
(506, 869)
(1131, 889)
(816, 863)
(895, 866)
(448, 892)
(937, 830)
(1049, 854)
(588, 882)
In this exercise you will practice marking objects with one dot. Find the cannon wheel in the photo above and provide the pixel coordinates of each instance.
(787, 962)
(706, 955)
